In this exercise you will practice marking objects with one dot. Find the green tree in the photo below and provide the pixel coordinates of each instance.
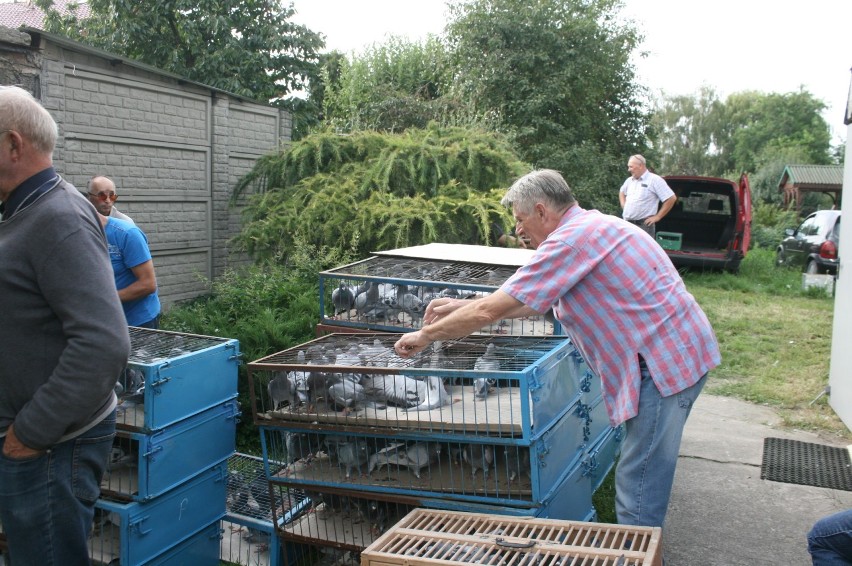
(370, 191)
(390, 87)
(755, 123)
(684, 129)
(246, 47)
(556, 76)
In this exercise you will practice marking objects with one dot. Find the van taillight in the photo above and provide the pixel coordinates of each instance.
(828, 250)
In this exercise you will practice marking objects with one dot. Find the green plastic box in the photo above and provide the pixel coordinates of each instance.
(669, 240)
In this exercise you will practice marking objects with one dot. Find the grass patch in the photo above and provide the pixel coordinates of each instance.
(775, 340)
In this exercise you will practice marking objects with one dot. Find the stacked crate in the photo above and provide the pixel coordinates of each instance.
(428, 537)
(389, 291)
(493, 423)
(163, 496)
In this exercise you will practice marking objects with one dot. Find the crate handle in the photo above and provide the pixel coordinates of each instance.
(506, 544)
(151, 453)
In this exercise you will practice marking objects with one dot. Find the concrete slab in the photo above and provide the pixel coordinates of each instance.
(721, 512)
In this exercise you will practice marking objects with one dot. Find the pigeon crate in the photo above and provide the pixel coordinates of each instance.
(249, 534)
(505, 386)
(340, 521)
(477, 469)
(172, 375)
(201, 548)
(587, 381)
(391, 294)
(143, 466)
(603, 453)
(135, 533)
(427, 536)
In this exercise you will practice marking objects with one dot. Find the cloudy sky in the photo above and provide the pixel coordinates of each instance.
(730, 45)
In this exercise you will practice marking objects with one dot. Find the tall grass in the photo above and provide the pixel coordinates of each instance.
(775, 340)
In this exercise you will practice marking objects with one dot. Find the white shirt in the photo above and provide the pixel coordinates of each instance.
(644, 195)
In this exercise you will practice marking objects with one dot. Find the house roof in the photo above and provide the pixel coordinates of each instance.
(812, 176)
(25, 13)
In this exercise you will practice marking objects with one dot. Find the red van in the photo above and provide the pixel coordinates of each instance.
(710, 224)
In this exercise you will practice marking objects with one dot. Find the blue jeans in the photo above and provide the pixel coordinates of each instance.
(153, 324)
(645, 471)
(47, 502)
(830, 540)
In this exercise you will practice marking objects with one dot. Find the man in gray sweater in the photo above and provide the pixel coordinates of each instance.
(63, 343)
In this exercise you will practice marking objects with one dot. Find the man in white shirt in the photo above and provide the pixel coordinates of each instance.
(641, 195)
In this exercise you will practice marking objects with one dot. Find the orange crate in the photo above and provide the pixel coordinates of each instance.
(428, 536)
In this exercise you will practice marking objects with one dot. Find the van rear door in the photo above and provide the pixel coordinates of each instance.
(744, 213)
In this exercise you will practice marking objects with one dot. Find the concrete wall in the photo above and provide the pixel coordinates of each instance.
(174, 148)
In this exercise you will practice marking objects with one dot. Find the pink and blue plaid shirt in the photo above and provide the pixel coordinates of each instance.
(617, 295)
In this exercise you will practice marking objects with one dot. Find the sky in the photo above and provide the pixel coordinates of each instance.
(729, 45)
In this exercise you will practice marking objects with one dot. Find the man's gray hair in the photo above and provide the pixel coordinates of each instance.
(21, 112)
(638, 158)
(542, 185)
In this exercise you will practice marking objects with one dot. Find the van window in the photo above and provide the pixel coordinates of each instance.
(706, 203)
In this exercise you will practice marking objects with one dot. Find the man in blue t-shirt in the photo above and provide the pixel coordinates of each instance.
(133, 269)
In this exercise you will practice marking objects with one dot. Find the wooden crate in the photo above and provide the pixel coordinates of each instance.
(427, 536)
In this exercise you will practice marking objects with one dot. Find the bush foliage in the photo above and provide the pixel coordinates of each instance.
(373, 191)
(267, 308)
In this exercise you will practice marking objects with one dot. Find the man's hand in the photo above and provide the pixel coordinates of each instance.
(411, 343)
(440, 308)
(14, 449)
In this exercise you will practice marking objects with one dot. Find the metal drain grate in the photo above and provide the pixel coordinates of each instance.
(806, 463)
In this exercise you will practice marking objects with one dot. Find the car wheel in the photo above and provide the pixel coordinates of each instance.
(812, 268)
(780, 258)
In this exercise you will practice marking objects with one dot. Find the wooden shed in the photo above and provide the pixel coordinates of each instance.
(797, 180)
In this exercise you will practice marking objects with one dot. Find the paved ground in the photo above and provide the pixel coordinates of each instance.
(721, 512)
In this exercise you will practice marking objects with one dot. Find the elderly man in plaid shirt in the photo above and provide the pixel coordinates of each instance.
(625, 308)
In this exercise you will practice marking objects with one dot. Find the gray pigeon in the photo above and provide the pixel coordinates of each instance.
(420, 455)
(479, 457)
(517, 461)
(342, 298)
(282, 389)
(488, 361)
(347, 394)
(352, 454)
(413, 394)
(481, 387)
(368, 299)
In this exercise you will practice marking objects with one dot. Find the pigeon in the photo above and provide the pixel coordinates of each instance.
(282, 389)
(478, 456)
(368, 299)
(517, 461)
(488, 361)
(342, 298)
(352, 454)
(420, 455)
(412, 394)
(298, 446)
(481, 387)
(347, 395)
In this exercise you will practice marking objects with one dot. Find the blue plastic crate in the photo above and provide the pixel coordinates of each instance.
(602, 454)
(144, 466)
(172, 376)
(134, 533)
(201, 549)
(404, 285)
(531, 382)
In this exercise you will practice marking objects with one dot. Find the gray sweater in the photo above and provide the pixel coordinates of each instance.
(63, 336)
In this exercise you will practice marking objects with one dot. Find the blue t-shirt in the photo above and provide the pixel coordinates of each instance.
(128, 247)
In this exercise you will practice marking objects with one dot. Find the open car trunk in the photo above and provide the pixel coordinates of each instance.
(709, 226)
